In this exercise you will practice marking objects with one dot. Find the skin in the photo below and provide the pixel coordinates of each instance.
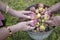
(54, 8)
(54, 21)
(15, 12)
(4, 32)
(22, 26)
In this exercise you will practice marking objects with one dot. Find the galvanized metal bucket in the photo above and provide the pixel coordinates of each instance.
(38, 35)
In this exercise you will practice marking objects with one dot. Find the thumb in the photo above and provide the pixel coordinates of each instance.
(30, 28)
(49, 22)
(27, 12)
(27, 17)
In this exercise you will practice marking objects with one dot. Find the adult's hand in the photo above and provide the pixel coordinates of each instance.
(54, 8)
(54, 21)
(22, 14)
(13, 12)
(22, 26)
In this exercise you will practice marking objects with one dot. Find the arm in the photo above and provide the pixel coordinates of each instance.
(23, 26)
(3, 8)
(13, 12)
(54, 8)
(54, 21)
(3, 33)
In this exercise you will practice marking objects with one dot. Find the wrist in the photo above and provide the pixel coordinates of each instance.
(14, 28)
(11, 11)
(49, 10)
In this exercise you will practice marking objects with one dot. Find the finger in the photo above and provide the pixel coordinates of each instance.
(29, 22)
(49, 22)
(27, 12)
(30, 28)
(27, 17)
(32, 23)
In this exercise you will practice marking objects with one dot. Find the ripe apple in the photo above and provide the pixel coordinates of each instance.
(42, 28)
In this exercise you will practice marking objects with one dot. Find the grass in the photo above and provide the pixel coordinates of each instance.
(21, 5)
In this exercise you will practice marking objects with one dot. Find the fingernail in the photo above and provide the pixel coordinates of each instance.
(29, 17)
(31, 21)
(32, 18)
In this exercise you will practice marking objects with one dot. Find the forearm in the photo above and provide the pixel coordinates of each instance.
(3, 8)
(14, 29)
(54, 8)
(5, 32)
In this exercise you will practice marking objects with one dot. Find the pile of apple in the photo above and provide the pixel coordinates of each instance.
(40, 17)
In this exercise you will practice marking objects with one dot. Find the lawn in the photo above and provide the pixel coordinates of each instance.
(21, 5)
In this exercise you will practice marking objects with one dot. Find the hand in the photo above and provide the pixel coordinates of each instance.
(25, 25)
(48, 12)
(22, 26)
(22, 14)
(54, 21)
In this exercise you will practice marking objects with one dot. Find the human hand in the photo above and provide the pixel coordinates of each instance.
(48, 12)
(22, 26)
(25, 26)
(54, 21)
(23, 14)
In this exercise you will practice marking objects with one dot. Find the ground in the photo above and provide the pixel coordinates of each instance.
(21, 5)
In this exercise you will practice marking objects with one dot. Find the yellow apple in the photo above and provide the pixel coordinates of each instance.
(37, 24)
(38, 15)
(43, 20)
(46, 17)
(42, 28)
(40, 9)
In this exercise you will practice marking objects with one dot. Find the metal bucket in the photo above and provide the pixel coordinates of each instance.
(38, 35)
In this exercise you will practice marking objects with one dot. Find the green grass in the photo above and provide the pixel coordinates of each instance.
(21, 5)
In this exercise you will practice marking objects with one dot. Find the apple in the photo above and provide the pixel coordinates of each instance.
(46, 16)
(42, 28)
(37, 24)
(32, 9)
(41, 9)
(38, 15)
